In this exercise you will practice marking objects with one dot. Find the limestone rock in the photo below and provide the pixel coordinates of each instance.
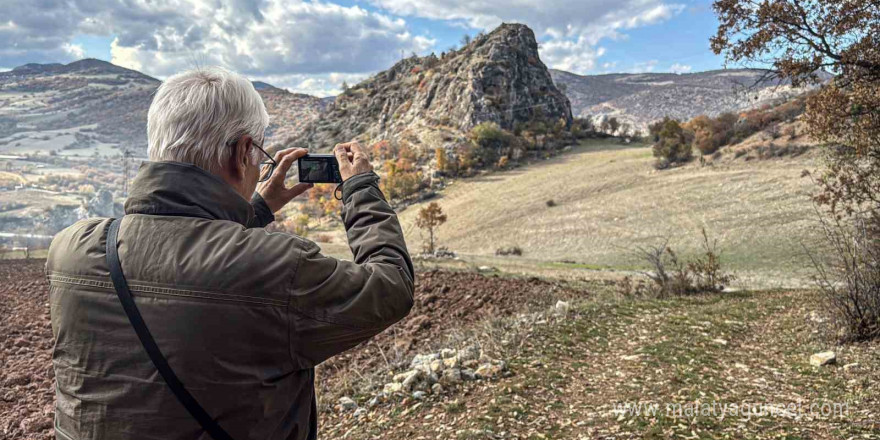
(392, 387)
(347, 404)
(823, 358)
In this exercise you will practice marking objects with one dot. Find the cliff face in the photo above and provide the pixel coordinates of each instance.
(432, 100)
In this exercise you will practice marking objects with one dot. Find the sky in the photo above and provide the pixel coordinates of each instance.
(314, 46)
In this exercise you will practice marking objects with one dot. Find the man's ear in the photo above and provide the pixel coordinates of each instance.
(239, 160)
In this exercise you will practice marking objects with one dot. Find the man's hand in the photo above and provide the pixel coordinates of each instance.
(353, 160)
(274, 191)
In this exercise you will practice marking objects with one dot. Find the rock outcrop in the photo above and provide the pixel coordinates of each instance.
(431, 101)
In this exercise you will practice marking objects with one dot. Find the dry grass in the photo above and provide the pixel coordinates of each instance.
(609, 200)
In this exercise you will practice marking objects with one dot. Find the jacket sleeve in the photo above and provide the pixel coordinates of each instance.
(262, 214)
(337, 304)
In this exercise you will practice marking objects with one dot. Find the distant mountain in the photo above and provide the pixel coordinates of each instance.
(91, 103)
(640, 99)
(432, 101)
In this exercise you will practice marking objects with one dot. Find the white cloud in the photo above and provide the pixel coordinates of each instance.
(680, 68)
(75, 50)
(282, 38)
(571, 30)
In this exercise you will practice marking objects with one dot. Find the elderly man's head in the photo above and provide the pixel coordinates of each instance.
(210, 118)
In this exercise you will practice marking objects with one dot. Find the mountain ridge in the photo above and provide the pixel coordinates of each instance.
(641, 98)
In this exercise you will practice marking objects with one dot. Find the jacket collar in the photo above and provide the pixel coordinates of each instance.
(182, 189)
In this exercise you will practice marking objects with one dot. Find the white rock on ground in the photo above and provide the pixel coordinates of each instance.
(823, 358)
(851, 367)
(393, 387)
(347, 404)
(561, 308)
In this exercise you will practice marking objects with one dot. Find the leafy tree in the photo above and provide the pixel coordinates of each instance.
(465, 40)
(800, 39)
(442, 160)
(491, 142)
(673, 146)
(430, 217)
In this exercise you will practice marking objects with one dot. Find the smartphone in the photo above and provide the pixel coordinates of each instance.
(319, 168)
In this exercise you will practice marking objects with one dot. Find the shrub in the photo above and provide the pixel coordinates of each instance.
(401, 179)
(849, 277)
(491, 142)
(672, 146)
(672, 276)
(551, 203)
(513, 250)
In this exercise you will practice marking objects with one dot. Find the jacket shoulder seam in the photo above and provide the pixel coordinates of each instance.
(144, 288)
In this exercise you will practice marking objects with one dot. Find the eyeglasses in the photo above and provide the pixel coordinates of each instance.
(267, 167)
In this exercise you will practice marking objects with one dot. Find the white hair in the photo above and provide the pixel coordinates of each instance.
(197, 114)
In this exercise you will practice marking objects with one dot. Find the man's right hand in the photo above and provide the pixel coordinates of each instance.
(353, 159)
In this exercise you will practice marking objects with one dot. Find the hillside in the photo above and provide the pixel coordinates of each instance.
(63, 129)
(92, 105)
(609, 200)
(640, 99)
(433, 101)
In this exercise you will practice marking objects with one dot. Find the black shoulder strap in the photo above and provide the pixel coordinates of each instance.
(134, 316)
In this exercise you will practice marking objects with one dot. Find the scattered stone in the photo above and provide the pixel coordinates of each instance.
(423, 359)
(489, 370)
(851, 367)
(471, 352)
(451, 376)
(374, 401)
(412, 380)
(360, 412)
(451, 362)
(486, 269)
(393, 387)
(347, 404)
(720, 341)
(437, 388)
(823, 358)
(561, 308)
(632, 357)
(447, 353)
(468, 374)
(418, 395)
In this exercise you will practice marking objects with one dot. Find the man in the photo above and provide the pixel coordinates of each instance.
(241, 315)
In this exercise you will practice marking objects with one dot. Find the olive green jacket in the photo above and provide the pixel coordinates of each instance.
(243, 315)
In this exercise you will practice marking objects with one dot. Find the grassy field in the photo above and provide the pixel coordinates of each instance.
(609, 200)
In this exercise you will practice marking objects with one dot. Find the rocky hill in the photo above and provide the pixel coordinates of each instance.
(433, 101)
(640, 99)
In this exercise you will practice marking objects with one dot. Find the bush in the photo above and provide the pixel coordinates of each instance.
(513, 250)
(710, 134)
(850, 277)
(491, 142)
(401, 179)
(672, 146)
(551, 203)
(671, 276)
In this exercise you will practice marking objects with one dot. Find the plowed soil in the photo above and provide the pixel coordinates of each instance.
(26, 376)
(444, 301)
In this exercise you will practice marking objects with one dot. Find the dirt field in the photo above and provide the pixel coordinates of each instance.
(27, 394)
(609, 200)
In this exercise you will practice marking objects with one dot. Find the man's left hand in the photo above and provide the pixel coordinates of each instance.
(274, 191)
